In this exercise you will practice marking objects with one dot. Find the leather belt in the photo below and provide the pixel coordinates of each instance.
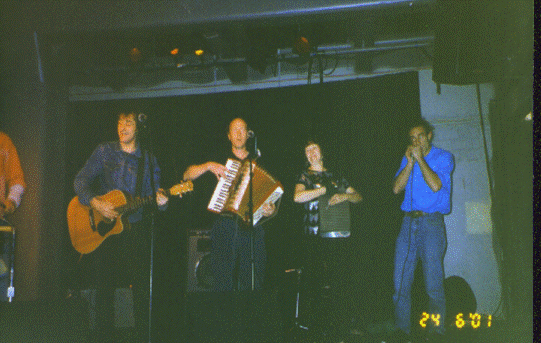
(415, 214)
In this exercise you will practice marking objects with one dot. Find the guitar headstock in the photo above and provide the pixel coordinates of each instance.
(181, 188)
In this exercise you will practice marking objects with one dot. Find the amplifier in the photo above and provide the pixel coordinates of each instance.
(199, 278)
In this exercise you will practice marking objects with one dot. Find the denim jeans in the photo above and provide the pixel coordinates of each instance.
(421, 239)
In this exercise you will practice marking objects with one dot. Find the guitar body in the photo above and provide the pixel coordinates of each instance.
(88, 228)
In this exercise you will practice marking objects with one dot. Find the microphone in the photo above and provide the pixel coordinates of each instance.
(142, 118)
(253, 150)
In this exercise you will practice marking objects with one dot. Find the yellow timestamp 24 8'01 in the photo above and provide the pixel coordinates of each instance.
(474, 319)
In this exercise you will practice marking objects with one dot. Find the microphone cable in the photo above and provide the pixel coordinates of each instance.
(410, 181)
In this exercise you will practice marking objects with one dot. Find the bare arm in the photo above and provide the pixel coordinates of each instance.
(196, 170)
(303, 195)
(351, 195)
(402, 179)
(431, 178)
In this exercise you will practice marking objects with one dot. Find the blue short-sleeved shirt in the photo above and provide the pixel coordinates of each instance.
(418, 195)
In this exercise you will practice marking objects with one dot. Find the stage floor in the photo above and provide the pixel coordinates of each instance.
(208, 317)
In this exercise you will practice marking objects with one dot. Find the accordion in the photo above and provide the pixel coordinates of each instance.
(232, 193)
(334, 221)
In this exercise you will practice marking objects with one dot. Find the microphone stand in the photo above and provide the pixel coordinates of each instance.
(150, 150)
(252, 157)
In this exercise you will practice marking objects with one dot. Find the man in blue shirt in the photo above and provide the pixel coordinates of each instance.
(121, 260)
(425, 175)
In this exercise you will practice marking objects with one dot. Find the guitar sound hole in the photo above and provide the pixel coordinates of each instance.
(105, 226)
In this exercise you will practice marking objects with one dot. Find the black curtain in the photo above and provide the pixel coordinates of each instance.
(513, 202)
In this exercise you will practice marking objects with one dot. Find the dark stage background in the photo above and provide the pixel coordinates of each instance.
(359, 125)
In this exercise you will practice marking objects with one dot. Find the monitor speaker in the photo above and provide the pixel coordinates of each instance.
(199, 278)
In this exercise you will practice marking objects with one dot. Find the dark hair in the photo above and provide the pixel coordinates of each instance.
(310, 142)
(421, 122)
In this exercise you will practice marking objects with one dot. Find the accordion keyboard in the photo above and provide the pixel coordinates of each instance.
(221, 192)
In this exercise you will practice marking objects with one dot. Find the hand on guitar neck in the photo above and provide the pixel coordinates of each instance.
(162, 198)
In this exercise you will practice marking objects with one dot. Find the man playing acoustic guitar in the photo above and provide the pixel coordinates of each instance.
(123, 259)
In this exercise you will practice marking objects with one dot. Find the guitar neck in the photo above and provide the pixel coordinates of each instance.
(135, 204)
(140, 202)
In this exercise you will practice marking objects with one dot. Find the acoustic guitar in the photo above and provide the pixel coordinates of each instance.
(88, 228)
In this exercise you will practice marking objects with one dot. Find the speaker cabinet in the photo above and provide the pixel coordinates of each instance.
(200, 278)
(466, 41)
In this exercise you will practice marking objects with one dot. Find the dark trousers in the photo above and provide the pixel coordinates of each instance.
(325, 300)
(231, 256)
(123, 261)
